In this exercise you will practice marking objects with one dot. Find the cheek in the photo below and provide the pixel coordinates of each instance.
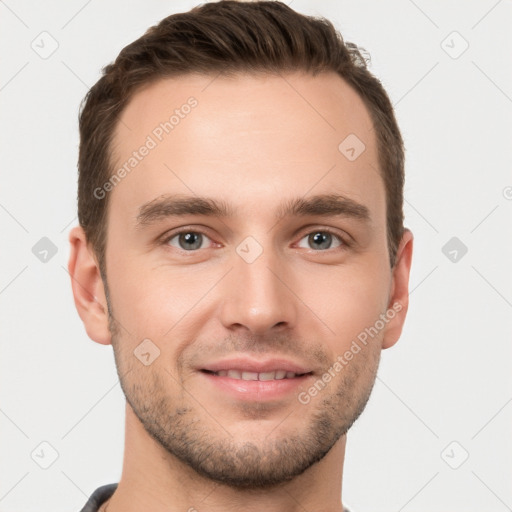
(351, 302)
(156, 301)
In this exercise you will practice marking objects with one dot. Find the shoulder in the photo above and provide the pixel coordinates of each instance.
(98, 497)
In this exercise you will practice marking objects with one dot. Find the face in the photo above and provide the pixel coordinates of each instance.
(246, 254)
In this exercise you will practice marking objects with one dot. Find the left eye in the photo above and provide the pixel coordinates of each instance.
(322, 239)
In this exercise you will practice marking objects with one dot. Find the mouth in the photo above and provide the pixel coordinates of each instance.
(256, 381)
(261, 376)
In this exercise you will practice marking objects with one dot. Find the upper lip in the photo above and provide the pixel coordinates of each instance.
(253, 365)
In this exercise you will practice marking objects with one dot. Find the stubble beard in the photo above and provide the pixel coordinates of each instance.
(187, 432)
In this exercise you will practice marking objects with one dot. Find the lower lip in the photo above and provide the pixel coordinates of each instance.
(258, 390)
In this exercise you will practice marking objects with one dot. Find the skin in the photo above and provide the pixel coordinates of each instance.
(253, 142)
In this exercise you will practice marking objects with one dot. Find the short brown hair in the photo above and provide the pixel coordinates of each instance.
(229, 37)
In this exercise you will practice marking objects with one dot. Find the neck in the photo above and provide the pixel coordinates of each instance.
(152, 479)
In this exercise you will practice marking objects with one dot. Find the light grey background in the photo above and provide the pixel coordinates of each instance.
(447, 380)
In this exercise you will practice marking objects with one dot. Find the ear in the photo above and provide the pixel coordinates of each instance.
(87, 285)
(399, 297)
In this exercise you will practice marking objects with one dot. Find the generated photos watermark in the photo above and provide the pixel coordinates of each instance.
(156, 136)
(356, 346)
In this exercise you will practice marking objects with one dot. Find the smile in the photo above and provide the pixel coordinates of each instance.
(264, 376)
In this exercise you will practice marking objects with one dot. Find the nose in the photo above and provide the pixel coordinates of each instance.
(258, 296)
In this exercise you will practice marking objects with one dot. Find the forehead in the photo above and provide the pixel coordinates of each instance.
(247, 139)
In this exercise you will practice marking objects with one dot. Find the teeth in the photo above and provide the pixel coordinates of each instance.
(249, 376)
(240, 375)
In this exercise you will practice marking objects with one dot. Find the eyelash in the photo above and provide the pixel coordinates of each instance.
(345, 244)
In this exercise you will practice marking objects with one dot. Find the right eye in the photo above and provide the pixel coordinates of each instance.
(186, 240)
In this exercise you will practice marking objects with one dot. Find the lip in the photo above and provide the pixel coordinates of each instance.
(253, 365)
(256, 390)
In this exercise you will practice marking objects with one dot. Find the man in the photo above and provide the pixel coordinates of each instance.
(241, 246)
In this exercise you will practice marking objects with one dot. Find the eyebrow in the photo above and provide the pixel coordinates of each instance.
(324, 205)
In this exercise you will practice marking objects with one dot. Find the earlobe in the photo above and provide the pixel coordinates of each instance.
(399, 298)
(87, 286)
